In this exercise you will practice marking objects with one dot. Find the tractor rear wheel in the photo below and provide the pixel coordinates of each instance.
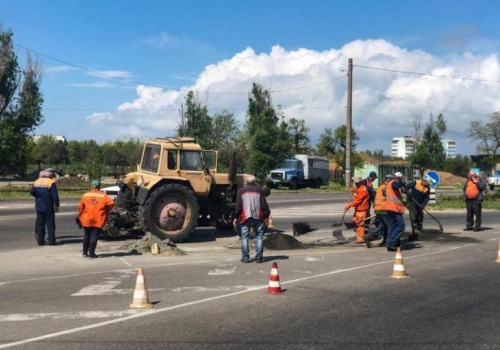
(171, 211)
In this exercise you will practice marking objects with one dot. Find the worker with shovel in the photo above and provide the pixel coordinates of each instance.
(418, 196)
(380, 208)
(361, 204)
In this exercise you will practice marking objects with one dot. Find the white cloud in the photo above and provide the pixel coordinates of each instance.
(311, 85)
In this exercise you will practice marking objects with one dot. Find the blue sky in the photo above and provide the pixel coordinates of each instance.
(116, 69)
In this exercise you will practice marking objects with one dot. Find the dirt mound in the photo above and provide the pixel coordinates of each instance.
(448, 179)
(145, 245)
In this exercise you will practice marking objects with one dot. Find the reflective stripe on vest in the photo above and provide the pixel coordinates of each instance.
(380, 199)
(420, 187)
(394, 199)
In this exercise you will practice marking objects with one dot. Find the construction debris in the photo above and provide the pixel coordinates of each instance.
(272, 241)
(153, 245)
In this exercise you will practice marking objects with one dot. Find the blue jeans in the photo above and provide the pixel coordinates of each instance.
(259, 234)
(381, 229)
(396, 228)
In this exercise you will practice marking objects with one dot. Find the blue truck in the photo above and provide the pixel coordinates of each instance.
(300, 170)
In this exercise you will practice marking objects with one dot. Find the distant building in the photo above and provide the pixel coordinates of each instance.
(402, 147)
(55, 137)
(450, 148)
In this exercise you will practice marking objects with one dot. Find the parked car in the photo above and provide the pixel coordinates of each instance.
(111, 191)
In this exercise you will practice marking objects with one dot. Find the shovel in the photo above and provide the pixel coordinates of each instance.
(432, 216)
(337, 224)
(352, 224)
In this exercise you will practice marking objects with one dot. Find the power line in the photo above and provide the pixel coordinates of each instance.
(429, 75)
(169, 109)
(414, 103)
(96, 72)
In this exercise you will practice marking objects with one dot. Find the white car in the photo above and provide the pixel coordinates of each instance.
(111, 191)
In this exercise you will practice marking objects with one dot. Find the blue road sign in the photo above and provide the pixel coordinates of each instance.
(434, 178)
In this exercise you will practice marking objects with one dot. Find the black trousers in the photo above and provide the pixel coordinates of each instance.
(45, 218)
(473, 209)
(417, 215)
(90, 236)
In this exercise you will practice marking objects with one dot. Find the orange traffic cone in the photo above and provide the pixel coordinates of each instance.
(498, 256)
(399, 267)
(141, 300)
(274, 281)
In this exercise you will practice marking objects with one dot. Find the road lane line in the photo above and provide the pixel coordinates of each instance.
(107, 271)
(151, 312)
(126, 263)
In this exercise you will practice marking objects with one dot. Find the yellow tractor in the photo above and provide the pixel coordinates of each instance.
(175, 189)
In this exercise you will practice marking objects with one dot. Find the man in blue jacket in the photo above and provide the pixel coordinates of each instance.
(418, 198)
(46, 204)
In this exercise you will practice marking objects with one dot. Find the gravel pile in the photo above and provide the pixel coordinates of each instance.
(144, 246)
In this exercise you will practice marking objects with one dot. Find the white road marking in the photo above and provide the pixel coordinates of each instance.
(314, 258)
(31, 216)
(107, 286)
(221, 271)
(107, 271)
(150, 312)
(126, 263)
(66, 316)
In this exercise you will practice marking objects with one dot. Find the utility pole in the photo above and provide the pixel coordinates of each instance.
(348, 124)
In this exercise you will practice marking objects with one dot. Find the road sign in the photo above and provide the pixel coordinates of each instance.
(434, 178)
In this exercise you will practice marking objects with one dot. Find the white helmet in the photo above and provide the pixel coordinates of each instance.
(398, 174)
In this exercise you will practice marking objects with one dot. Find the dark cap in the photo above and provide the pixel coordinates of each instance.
(389, 176)
(373, 175)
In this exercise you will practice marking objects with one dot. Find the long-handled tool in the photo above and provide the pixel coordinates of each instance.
(353, 224)
(432, 216)
(337, 224)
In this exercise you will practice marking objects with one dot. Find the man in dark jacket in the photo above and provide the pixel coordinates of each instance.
(418, 197)
(473, 197)
(46, 204)
(252, 208)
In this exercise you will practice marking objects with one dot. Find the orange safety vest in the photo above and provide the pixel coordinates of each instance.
(94, 208)
(471, 190)
(394, 199)
(420, 187)
(380, 200)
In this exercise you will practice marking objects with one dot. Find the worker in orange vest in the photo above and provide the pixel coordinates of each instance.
(93, 213)
(395, 211)
(380, 209)
(361, 204)
(473, 197)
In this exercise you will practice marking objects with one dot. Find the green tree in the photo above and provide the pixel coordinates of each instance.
(429, 153)
(326, 146)
(20, 107)
(195, 121)
(299, 133)
(340, 139)
(487, 136)
(50, 151)
(129, 151)
(459, 165)
(94, 164)
(264, 133)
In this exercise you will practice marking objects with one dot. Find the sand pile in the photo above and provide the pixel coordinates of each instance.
(146, 245)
